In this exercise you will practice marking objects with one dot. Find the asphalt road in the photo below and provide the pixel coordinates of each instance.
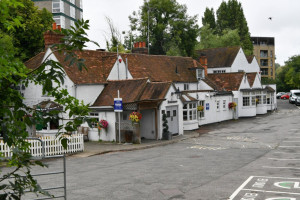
(247, 159)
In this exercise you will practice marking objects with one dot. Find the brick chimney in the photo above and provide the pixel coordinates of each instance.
(51, 37)
(140, 48)
(203, 62)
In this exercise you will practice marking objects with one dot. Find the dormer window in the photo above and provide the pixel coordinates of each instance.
(200, 73)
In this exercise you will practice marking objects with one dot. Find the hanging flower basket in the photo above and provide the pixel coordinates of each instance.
(135, 117)
(102, 124)
(200, 108)
(232, 105)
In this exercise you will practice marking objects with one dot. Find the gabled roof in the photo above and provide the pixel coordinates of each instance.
(132, 90)
(251, 78)
(250, 58)
(99, 64)
(227, 81)
(162, 68)
(35, 61)
(219, 57)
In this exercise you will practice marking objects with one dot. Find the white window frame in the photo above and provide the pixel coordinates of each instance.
(199, 73)
(96, 116)
(56, 6)
(186, 86)
(247, 101)
(224, 104)
(202, 113)
(191, 111)
(72, 12)
(218, 105)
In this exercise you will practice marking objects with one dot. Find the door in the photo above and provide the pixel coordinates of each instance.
(172, 117)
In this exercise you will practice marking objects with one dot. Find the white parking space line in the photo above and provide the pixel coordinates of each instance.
(290, 141)
(271, 167)
(289, 146)
(240, 188)
(276, 192)
(286, 153)
(284, 159)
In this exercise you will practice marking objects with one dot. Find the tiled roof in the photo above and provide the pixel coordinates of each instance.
(162, 68)
(250, 58)
(98, 64)
(251, 78)
(185, 97)
(155, 91)
(132, 90)
(35, 61)
(219, 57)
(227, 81)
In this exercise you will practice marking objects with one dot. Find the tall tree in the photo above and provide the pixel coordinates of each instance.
(210, 40)
(209, 18)
(230, 15)
(114, 43)
(15, 116)
(170, 28)
(28, 38)
(292, 77)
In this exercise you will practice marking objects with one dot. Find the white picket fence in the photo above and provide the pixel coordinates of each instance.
(52, 146)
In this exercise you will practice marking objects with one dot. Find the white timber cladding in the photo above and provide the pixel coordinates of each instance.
(239, 64)
(171, 100)
(119, 71)
(257, 82)
(106, 135)
(88, 93)
(211, 113)
(187, 86)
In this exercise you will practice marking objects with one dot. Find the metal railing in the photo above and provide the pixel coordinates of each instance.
(64, 187)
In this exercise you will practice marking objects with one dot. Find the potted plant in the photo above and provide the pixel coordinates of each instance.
(232, 105)
(167, 135)
(200, 108)
(102, 124)
(135, 117)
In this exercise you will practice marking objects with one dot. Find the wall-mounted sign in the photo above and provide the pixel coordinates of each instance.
(207, 106)
(118, 105)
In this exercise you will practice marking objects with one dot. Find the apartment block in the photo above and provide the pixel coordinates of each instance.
(65, 12)
(264, 51)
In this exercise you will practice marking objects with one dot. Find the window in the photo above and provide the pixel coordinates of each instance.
(224, 104)
(264, 71)
(199, 73)
(271, 54)
(264, 53)
(246, 101)
(219, 71)
(264, 99)
(246, 98)
(72, 23)
(253, 100)
(190, 111)
(186, 86)
(258, 98)
(218, 105)
(57, 19)
(201, 113)
(72, 12)
(56, 6)
(94, 115)
(264, 62)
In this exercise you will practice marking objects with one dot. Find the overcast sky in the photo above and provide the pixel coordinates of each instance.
(284, 26)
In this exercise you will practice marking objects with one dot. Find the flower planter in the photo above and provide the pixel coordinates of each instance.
(167, 136)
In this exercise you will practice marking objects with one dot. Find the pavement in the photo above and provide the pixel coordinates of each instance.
(92, 148)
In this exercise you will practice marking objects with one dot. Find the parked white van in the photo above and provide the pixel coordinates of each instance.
(294, 95)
